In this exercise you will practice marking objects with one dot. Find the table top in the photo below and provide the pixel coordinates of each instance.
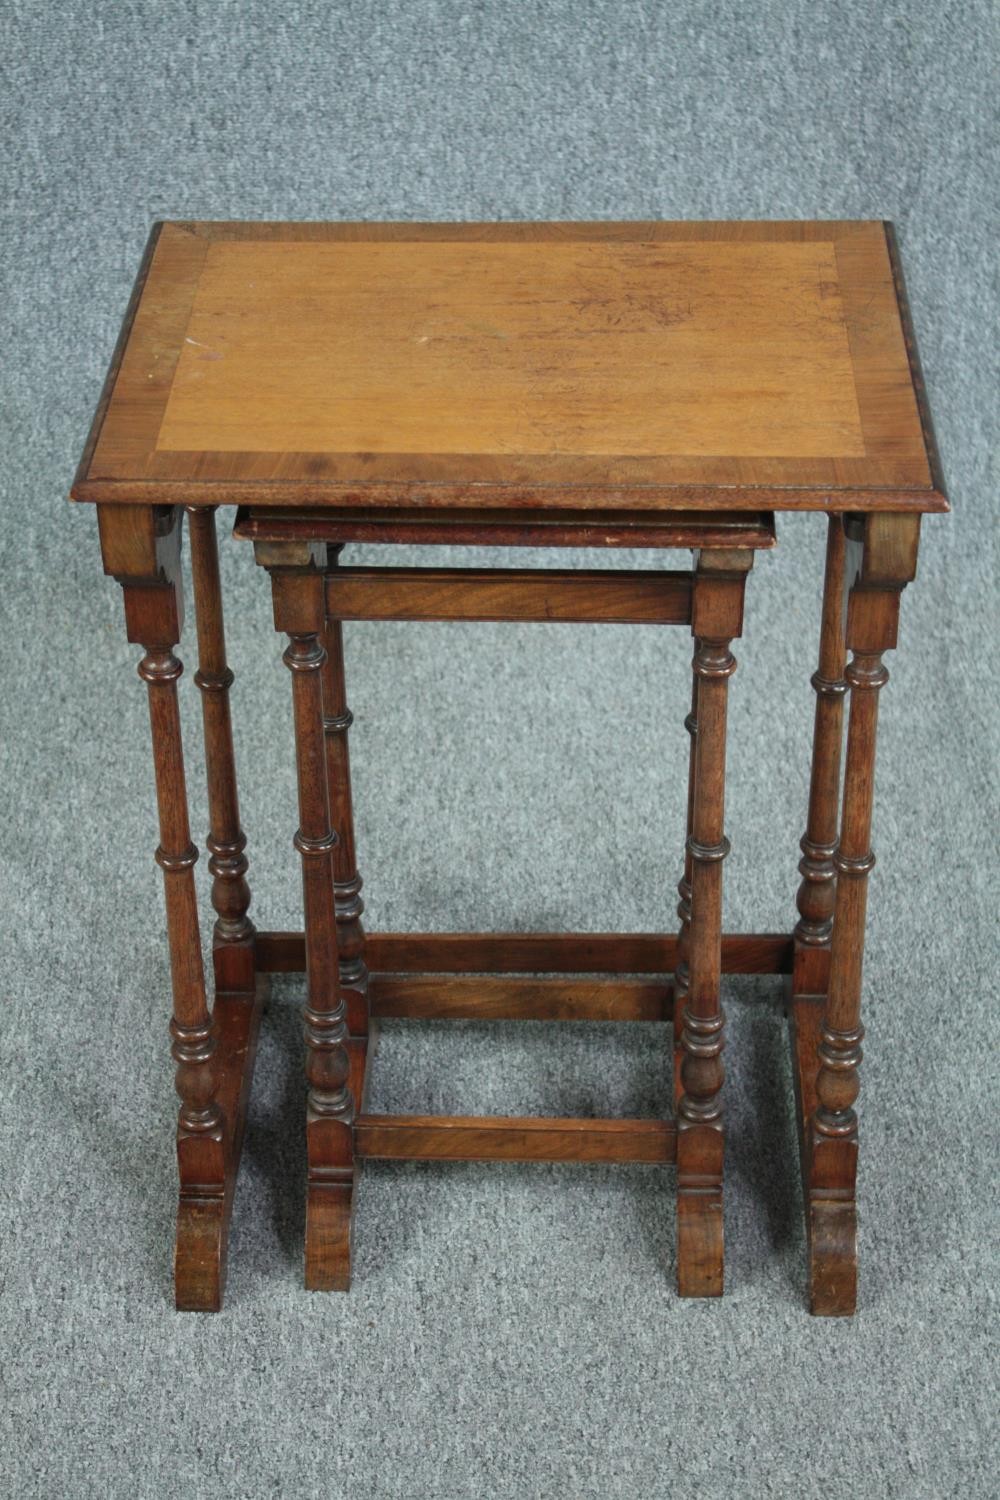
(641, 366)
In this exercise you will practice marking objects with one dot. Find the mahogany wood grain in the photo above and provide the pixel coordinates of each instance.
(913, 354)
(888, 547)
(153, 619)
(517, 528)
(201, 1254)
(200, 1145)
(834, 1142)
(361, 1054)
(489, 998)
(141, 543)
(716, 618)
(628, 366)
(214, 1053)
(819, 842)
(881, 559)
(532, 953)
(831, 1215)
(690, 1234)
(298, 610)
(233, 955)
(681, 969)
(337, 720)
(500, 1138)
(611, 596)
(111, 378)
(154, 609)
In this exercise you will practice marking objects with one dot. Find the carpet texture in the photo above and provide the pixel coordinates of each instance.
(513, 1330)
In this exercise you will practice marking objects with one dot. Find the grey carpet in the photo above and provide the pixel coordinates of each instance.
(513, 1331)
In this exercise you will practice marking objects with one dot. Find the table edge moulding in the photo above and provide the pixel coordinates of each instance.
(122, 464)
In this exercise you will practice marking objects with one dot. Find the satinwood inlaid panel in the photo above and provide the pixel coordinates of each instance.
(604, 365)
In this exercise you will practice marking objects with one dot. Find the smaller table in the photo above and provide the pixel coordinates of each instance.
(599, 385)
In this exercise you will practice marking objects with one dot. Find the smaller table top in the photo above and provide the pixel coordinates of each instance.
(646, 367)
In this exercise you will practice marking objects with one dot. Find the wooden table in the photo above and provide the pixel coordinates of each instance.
(599, 385)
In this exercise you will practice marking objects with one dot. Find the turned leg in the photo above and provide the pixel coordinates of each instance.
(881, 560)
(233, 941)
(681, 969)
(299, 611)
(337, 720)
(716, 620)
(214, 1051)
(198, 1277)
(145, 557)
(830, 1224)
(819, 842)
